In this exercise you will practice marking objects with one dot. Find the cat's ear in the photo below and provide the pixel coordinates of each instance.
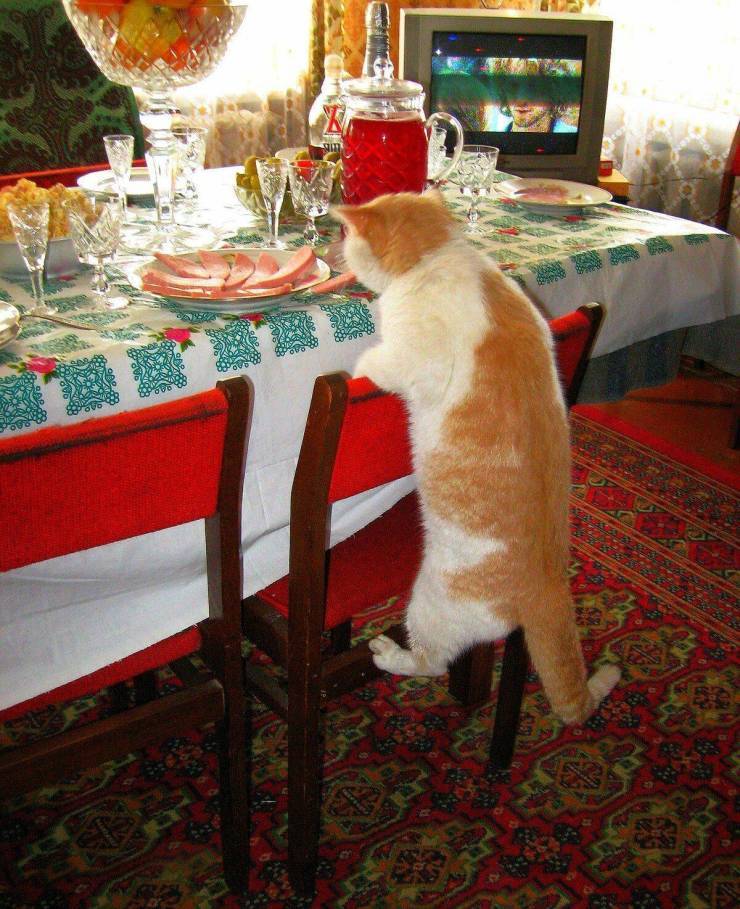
(434, 193)
(353, 216)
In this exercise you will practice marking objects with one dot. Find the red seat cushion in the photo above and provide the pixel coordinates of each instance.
(379, 561)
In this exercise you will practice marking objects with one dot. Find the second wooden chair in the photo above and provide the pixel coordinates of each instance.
(356, 438)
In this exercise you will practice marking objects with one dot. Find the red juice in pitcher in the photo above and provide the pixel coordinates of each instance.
(383, 155)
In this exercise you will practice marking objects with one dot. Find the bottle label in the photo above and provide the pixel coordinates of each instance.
(332, 137)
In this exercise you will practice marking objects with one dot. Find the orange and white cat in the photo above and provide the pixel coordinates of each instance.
(473, 360)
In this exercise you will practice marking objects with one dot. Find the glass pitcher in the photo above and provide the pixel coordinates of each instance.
(385, 137)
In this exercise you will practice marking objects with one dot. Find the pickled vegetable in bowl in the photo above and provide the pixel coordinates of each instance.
(250, 195)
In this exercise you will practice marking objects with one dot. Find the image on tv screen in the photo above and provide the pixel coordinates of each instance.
(507, 99)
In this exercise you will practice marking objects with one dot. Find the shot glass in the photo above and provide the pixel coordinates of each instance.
(310, 186)
(30, 222)
(273, 175)
(120, 152)
(95, 226)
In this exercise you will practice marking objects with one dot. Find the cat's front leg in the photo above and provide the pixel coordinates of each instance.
(391, 657)
(374, 364)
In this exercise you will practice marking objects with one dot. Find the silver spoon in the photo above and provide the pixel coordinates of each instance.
(67, 322)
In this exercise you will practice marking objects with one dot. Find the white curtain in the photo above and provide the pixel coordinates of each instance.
(674, 100)
(255, 102)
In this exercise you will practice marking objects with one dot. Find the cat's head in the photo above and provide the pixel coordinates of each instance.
(391, 234)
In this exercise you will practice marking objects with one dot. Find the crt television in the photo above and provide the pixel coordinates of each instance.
(532, 84)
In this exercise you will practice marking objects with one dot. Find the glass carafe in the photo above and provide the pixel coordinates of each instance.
(385, 137)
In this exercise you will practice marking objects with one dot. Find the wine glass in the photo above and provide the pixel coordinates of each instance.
(273, 175)
(95, 221)
(311, 184)
(30, 221)
(120, 152)
(474, 175)
(156, 49)
(191, 157)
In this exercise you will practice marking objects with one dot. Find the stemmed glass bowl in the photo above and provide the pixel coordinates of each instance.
(158, 48)
(94, 220)
(474, 175)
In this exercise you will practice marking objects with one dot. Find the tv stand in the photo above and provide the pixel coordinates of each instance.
(617, 184)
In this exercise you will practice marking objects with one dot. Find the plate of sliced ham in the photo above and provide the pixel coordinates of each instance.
(231, 280)
(552, 197)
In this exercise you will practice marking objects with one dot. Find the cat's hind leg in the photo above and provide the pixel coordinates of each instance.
(439, 629)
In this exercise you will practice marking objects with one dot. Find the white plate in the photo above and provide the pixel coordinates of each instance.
(139, 184)
(552, 197)
(10, 323)
(236, 304)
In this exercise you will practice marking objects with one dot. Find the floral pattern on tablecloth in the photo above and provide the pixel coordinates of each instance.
(155, 349)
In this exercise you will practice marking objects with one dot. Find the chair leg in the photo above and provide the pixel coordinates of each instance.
(510, 694)
(145, 687)
(471, 675)
(234, 732)
(341, 637)
(305, 758)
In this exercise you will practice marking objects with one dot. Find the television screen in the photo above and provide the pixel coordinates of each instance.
(521, 92)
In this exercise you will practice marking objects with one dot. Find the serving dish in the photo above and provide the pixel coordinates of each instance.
(139, 184)
(550, 196)
(61, 259)
(238, 304)
(10, 323)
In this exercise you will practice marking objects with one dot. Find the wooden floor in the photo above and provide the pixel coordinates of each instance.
(696, 411)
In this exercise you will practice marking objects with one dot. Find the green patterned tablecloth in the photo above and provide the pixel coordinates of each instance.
(654, 273)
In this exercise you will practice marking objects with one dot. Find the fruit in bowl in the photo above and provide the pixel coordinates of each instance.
(248, 190)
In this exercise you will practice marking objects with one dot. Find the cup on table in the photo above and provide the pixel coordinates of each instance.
(191, 158)
(475, 174)
(30, 222)
(311, 184)
(273, 176)
(95, 220)
(119, 149)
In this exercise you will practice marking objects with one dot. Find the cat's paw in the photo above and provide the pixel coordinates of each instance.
(387, 655)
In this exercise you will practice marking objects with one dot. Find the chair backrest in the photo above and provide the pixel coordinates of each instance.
(70, 488)
(727, 187)
(574, 335)
(57, 114)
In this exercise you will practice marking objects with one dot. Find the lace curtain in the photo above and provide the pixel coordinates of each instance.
(256, 101)
(674, 100)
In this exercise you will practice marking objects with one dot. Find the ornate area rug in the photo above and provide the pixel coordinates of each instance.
(635, 809)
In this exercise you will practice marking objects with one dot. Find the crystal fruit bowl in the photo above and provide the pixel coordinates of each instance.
(155, 46)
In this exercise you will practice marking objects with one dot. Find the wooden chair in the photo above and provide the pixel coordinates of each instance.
(727, 187)
(68, 489)
(356, 439)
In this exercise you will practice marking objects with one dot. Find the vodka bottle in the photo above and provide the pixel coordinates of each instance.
(377, 42)
(327, 111)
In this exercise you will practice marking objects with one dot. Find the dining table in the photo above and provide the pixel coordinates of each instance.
(669, 286)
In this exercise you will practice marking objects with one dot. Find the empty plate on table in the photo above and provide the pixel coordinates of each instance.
(10, 323)
(552, 197)
(236, 303)
(139, 184)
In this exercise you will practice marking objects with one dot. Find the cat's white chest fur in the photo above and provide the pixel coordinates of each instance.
(431, 320)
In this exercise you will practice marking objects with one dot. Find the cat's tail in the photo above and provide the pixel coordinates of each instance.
(555, 650)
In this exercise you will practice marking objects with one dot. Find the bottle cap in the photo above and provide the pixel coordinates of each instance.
(377, 16)
(333, 66)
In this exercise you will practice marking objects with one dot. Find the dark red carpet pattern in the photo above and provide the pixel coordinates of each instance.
(636, 809)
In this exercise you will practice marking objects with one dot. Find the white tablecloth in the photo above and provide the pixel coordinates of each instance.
(72, 615)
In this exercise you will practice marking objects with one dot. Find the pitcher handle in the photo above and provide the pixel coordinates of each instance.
(452, 163)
